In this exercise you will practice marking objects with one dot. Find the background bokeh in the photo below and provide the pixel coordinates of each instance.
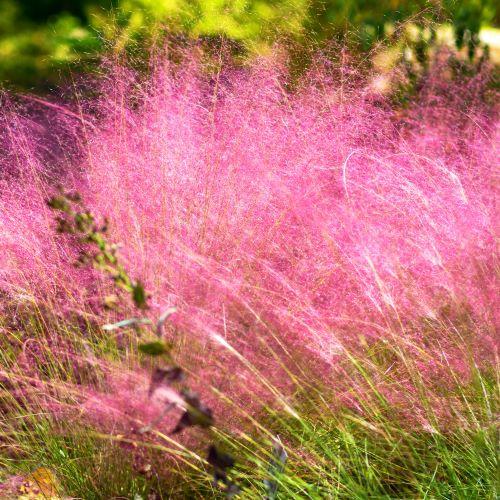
(41, 40)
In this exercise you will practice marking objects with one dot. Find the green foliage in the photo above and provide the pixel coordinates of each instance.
(36, 43)
(86, 466)
(373, 18)
(74, 220)
(155, 348)
(369, 464)
(39, 39)
(139, 295)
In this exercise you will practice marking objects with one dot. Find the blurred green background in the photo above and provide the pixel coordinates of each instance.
(41, 41)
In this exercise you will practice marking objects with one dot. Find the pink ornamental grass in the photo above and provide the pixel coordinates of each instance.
(273, 220)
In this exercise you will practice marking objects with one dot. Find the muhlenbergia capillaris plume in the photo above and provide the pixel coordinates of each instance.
(326, 255)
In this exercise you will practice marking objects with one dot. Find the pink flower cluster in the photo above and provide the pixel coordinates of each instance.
(292, 221)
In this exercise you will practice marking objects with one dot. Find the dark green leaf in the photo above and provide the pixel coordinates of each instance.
(58, 203)
(156, 348)
(196, 413)
(139, 295)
